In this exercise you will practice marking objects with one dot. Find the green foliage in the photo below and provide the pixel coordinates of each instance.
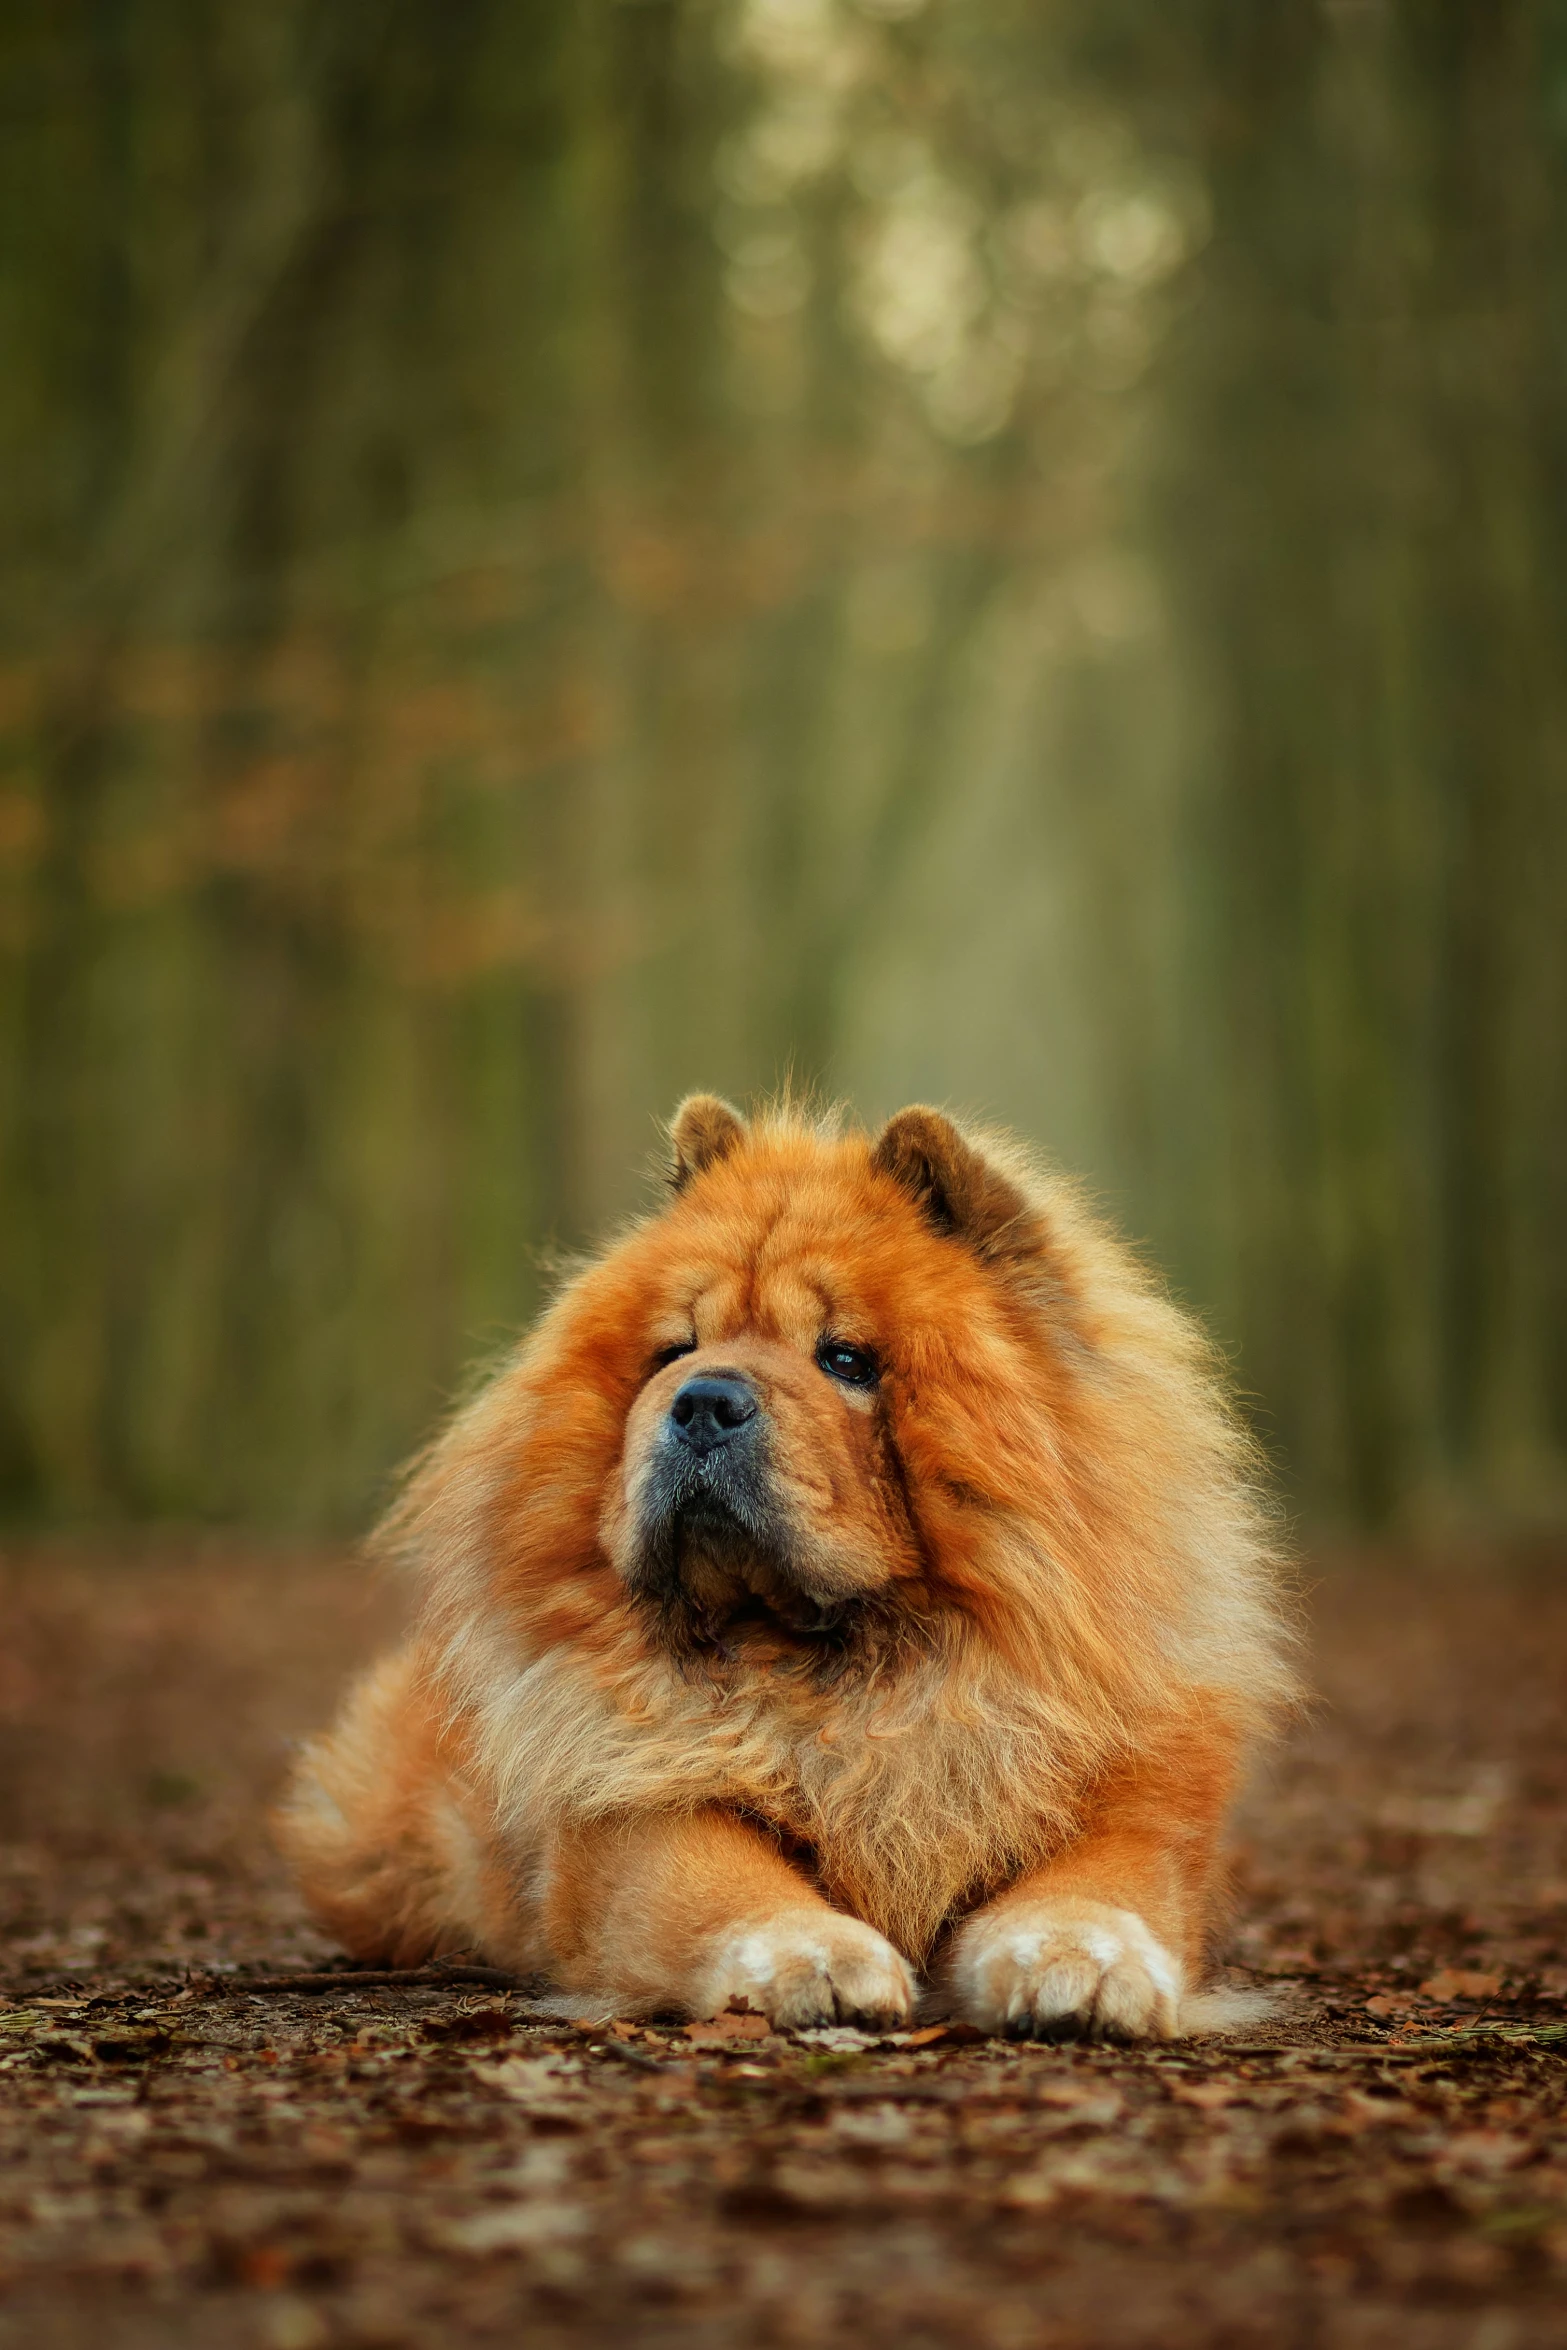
(1006, 553)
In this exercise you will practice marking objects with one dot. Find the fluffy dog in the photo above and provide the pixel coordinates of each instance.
(858, 1573)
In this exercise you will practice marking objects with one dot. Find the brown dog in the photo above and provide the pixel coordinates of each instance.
(858, 1571)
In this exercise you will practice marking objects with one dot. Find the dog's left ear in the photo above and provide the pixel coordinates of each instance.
(702, 1131)
(961, 1191)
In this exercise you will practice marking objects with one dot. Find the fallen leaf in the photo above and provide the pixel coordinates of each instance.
(1460, 1983)
(545, 2084)
(1388, 2003)
(1359, 2112)
(265, 2266)
(819, 2186)
(1079, 2095)
(1111, 2169)
(1486, 2150)
(545, 2163)
(514, 2227)
(718, 2029)
(1085, 2113)
(873, 2125)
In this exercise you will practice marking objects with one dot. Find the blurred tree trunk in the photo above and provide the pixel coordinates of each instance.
(1371, 508)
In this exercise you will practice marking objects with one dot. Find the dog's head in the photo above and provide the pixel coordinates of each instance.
(811, 1311)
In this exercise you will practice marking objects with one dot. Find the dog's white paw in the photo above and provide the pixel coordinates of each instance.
(808, 1966)
(1066, 1969)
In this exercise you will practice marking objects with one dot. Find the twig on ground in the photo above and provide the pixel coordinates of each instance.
(489, 1978)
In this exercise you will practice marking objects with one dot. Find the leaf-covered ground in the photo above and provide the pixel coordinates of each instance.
(185, 2160)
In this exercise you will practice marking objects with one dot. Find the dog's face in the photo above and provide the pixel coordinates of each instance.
(759, 1485)
(797, 1310)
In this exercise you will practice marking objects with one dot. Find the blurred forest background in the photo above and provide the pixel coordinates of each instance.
(1004, 551)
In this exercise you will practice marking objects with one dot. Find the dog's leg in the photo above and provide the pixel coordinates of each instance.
(1111, 1936)
(694, 1912)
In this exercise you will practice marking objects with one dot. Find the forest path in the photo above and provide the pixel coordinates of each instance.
(184, 2162)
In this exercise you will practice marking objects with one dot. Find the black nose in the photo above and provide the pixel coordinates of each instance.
(711, 1411)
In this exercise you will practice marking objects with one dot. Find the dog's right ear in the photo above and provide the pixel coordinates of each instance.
(702, 1131)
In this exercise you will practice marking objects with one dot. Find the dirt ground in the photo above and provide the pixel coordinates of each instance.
(187, 2159)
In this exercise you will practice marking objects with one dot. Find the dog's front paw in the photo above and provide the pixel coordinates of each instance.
(808, 1966)
(1066, 1969)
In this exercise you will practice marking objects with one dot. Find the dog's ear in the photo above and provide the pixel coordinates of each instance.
(703, 1131)
(959, 1189)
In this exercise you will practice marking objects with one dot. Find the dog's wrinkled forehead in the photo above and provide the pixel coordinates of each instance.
(785, 1289)
(796, 1234)
(773, 1302)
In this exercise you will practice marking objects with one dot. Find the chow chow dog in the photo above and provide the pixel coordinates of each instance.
(857, 1576)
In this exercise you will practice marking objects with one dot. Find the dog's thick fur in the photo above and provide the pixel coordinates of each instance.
(955, 1678)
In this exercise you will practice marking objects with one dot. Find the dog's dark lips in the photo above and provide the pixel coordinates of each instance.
(710, 1581)
(708, 1517)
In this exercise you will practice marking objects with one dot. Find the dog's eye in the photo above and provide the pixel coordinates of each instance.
(670, 1354)
(852, 1364)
